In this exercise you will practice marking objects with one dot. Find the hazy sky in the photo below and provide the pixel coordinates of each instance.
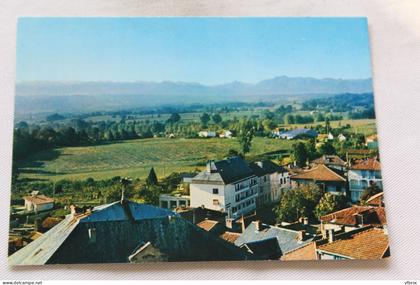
(205, 50)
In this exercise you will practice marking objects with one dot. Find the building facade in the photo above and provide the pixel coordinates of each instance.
(361, 174)
(229, 186)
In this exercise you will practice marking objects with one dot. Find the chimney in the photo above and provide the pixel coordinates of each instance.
(229, 223)
(330, 235)
(242, 221)
(211, 167)
(305, 221)
(301, 235)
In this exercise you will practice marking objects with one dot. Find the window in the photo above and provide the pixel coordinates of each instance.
(215, 191)
(215, 202)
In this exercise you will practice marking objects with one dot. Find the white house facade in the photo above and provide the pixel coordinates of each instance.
(361, 175)
(229, 186)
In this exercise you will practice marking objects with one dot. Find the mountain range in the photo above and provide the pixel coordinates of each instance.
(53, 96)
(281, 85)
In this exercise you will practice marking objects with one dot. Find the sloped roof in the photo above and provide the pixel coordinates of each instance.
(348, 216)
(367, 164)
(207, 225)
(41, 250)
(117, 212)
(320, 173)
(267, 248)
(300, 131)
(376, 200)
(369, 244)
(226, 171)
(265, 167)
(329, 160)
(39, 199)
(305, 252)
(287, 239)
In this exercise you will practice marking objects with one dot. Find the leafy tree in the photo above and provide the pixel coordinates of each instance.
(246, 134)
(330, 203)
(174, 118)
(217, 119)
(151, 194)
(300, 154)
(152, 178)
(268, 125)
(371, 190)
(205, 118)
(298, 203)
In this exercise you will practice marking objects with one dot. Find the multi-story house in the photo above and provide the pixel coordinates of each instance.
(328, 179)
(228, 185)
(361, 174)
(273, 179)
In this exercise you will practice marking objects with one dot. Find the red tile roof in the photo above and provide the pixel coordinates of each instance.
(329, 160)
(50, 222)
(207, 225)
(230, 236)
(319, 173)
(306, 252)
(39, 199)
(376, 200)
(367, 164)
(369, 244)
(348, 216)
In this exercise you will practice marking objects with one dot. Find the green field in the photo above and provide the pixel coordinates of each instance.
(134, 158)
(363, 126)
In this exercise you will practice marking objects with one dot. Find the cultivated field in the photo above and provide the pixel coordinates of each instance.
(134, 158)
(363, 126)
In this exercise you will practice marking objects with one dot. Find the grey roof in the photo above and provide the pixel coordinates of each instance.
(68, 241)
(287, 239)
(300, 132)
(329, 160)
(266, 167)
(40, 250)
(226, 171)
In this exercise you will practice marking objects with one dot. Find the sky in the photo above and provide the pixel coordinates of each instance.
(204, 50)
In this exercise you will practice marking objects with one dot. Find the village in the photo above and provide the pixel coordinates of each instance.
(230, 212)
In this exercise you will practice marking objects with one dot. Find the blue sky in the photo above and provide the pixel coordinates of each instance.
(204, 50)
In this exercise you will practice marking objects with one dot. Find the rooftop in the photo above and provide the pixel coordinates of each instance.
(230, 236)
(329, 160)
(207, 225)
(368, 244)
(265, 167)
(287, 239)
(305, 252)
(320, 173)
(376, 200)
(225, 171)
(367, 216)
(366, 164)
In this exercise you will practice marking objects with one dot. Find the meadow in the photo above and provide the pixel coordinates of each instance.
(134, 158)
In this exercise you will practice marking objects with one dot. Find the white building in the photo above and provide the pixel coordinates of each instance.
(207, 134)
(273, 180)
(226, 134)
(38, 203)
(341, 138)
(361, 174)
(173, 201)
(229, 186)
